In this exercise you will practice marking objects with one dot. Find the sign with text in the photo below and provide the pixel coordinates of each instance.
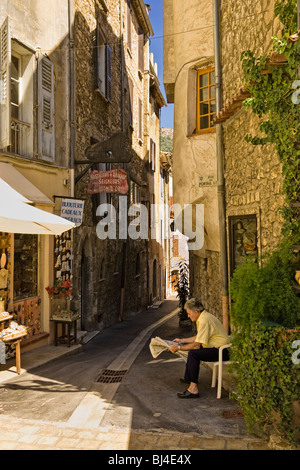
(72, 210)
(209, 180)
(113, 181)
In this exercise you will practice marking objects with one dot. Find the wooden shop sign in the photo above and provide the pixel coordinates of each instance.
(113, 181)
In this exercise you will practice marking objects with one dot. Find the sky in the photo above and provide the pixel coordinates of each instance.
(156, 46)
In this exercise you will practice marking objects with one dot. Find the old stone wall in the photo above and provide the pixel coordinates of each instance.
(253, 179)
(253, 175)
(244, 26)
(108, 273)
(207, 281)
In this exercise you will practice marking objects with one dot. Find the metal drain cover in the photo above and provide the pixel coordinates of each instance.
(108, 376)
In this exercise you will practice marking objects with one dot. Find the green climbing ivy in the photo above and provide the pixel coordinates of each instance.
(265, 311)
(271, 89)
(268, 377)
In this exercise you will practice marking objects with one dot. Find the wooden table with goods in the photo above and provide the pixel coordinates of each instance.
(12, 334)
(66, 319)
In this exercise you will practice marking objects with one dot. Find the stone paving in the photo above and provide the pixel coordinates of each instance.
(111, 432)
(23, 434)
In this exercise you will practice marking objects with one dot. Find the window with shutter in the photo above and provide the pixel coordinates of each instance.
(103, 65)
(130, 101)
(129, 21)
(5, 59)
(141, 50)
(152, 154)
(46, 129)
(206, 99)
(100, 61)
(16, 101)
(140, 129)
(108, 90)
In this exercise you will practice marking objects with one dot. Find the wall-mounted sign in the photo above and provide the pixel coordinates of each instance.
(209, 180)
(72, 210)
(113, 181)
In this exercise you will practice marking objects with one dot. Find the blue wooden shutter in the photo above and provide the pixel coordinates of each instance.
(108, 87)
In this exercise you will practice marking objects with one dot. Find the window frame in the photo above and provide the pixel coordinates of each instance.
(201, 72)
(103, 65)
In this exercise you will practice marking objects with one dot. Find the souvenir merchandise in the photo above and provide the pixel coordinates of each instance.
(63, 257)
(65, 315)
(28, 313)
(5, 240)
(14, 331)
(25, 266)
(3, 278)
(8, 333)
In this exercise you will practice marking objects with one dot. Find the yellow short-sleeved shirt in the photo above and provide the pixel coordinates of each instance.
(210, 331)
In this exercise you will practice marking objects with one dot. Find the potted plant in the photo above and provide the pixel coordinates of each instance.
(182, 288)
(60, 295)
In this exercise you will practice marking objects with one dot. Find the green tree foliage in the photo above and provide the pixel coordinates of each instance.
(266, 292)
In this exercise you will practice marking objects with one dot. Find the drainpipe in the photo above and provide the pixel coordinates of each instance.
(220, 175)
(122, 67)
(124, 244)
(71, 103)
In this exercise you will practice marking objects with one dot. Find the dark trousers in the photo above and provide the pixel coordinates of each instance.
(192, 367)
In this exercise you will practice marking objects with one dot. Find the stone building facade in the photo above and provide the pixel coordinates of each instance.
(189, 59)
(113, 93)
(239, 184)
(253, 178)
(34, 148)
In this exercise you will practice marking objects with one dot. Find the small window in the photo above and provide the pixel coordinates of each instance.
(140, 128)
(130, 101)
(103, 65)
(135, 193)
(152, 154)
(206, 99)
(129, 22)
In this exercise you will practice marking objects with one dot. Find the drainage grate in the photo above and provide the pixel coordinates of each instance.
(108, 376)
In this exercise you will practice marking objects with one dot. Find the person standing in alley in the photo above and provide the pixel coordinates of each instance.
(204, 346)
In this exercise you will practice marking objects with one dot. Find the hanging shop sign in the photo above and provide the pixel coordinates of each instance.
(113, 181)
(72, 210)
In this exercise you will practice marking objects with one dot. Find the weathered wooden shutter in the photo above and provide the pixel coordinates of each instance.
(5, 60)
(108, 74)
(98, 81)
(140, 119)
(152, 154)
(130, 101)
(141, 50)
(129, 24)
(46, 109)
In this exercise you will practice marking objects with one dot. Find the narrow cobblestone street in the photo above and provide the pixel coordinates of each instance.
(59, 405)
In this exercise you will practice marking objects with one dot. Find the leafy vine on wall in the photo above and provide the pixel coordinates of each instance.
(270, 83)
(265, 311)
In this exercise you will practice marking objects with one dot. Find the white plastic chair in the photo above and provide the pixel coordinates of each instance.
(219, 365)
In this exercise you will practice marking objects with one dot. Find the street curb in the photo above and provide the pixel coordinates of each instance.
(162, 440)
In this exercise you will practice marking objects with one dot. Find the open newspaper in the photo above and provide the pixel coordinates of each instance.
(158, 345)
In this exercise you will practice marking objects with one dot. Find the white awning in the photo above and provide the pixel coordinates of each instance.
(22, 185)
(18, 216)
